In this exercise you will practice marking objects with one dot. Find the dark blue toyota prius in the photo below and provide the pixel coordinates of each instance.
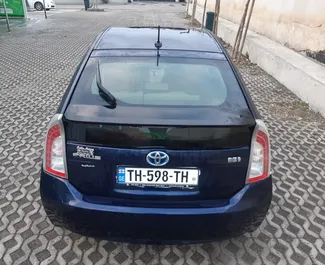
(157, 140)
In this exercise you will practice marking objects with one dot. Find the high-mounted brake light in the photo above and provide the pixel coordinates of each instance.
(260, 157)
(54, 161)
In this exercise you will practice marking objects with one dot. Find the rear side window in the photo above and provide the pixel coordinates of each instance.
(171, 82)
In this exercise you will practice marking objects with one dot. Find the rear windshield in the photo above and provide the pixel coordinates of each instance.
(173, 82)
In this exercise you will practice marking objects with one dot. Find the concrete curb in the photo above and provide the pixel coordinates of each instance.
(299, 74)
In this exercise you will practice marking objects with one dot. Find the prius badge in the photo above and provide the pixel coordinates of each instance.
(157, 158)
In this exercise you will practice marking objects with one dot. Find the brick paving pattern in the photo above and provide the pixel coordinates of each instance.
(36, 64)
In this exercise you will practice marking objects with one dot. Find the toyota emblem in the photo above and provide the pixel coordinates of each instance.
(157, 158)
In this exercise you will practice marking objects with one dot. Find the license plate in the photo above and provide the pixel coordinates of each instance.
(157, 177)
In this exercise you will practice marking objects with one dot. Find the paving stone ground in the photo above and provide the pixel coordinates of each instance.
(36, 64)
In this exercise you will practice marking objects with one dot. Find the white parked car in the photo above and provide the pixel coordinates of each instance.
(38, 4)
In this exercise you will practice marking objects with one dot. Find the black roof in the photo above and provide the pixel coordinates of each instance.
(145, 38)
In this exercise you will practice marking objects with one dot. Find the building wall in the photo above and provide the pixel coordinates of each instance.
(81, 2)
(300, 24)
(69, 2)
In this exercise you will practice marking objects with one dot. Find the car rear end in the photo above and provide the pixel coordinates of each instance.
(181, 157)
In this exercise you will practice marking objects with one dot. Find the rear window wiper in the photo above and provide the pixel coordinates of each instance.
(103, 91)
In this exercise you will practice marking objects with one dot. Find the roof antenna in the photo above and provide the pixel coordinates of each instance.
(158, 45)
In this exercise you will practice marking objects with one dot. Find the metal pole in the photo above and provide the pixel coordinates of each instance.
(240, 32)
(247, 26)
(6, 14)
(204, 9)
(193, 12)
(187, 7)
(216, 17)
(44, 7)
(25, 10)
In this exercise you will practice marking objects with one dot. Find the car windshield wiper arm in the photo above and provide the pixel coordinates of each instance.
(103, 92)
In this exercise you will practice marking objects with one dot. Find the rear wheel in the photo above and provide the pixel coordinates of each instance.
(38, 6)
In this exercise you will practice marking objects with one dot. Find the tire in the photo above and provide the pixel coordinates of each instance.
(38, 6)
(47, 9)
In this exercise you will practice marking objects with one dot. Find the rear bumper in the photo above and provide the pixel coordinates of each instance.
(244, 212)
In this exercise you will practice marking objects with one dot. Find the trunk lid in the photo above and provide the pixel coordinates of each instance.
(95, 149)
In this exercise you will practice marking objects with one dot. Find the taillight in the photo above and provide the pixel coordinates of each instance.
(260, 157)
(54, 160)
